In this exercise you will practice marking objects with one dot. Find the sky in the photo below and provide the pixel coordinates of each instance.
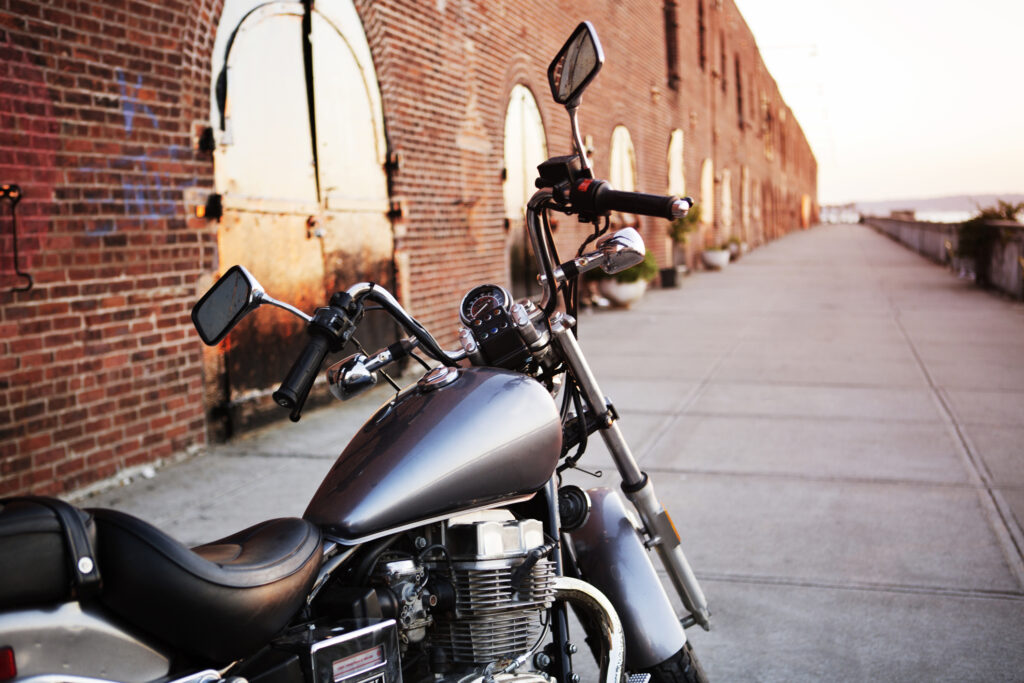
(901, 99)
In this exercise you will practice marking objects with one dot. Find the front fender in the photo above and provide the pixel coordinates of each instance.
(613, 558)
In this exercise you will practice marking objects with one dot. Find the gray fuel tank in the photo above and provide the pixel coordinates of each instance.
(468, 440)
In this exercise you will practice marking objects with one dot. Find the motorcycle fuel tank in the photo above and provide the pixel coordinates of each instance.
(458, 440)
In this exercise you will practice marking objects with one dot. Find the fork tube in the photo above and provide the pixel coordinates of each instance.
(635, 483)
(559, 616)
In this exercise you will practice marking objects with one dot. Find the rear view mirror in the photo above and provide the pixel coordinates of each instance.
(230, 299)
(575, 65)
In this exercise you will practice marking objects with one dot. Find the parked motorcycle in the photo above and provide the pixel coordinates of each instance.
(442, 545)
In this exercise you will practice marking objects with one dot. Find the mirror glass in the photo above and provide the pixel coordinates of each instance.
(575, 65)
(227, 302)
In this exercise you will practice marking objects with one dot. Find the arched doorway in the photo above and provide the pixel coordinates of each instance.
(525, 149)
(726, 204)
(299, 162)
(622, 161)
(676, 168)
(707, 199)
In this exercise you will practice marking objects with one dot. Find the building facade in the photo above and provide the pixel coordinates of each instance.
(155, 144)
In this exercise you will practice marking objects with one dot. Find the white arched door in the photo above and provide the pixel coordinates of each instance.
(525, 149)
(676, 168)
(299, 162)
(707, 192)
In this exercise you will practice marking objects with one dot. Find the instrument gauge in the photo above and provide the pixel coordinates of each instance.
(481, 301)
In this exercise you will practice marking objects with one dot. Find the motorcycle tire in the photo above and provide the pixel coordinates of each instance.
(682, 667)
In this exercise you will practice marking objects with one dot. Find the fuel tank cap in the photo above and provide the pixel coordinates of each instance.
(440, 376)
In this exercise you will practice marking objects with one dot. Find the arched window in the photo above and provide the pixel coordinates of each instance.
(525, 149)
(722, 73)
(739, 93)
(702, 53)
(676, 170)
(622, 170)
(745, 202)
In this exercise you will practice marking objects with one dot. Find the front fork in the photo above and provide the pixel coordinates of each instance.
(661, 532)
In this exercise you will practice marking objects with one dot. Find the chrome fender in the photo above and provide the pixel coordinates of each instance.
(612, 557)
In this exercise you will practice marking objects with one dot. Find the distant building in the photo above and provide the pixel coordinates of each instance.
(157, 144)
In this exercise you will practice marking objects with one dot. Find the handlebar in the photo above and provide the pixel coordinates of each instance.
(597, 196)
(330, 329)
(295, 388)
(585, 196)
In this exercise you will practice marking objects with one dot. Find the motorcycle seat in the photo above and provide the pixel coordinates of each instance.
(35, 563)
(219, 601)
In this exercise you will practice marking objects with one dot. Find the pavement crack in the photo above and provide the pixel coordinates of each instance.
(876, 587)
(994, 506)
(836, 479)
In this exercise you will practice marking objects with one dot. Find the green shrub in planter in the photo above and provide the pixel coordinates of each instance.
(681, 228)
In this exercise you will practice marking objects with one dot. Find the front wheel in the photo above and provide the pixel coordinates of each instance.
(682, 667)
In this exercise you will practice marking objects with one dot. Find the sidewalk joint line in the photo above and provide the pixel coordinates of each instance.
(971, 593)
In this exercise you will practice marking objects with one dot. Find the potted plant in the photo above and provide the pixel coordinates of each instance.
(735, 247)
(679, 230)
(716, 257)
(628, 286)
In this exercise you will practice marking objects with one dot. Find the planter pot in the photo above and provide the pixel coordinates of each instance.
(673, 277)
(716, 258)
(622, 293)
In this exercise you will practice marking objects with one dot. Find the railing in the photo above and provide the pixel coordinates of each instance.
(938, 242)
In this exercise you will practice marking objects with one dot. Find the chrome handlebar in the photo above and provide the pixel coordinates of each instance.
(377, 294)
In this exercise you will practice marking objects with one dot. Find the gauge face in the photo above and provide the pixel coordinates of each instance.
(481, 300)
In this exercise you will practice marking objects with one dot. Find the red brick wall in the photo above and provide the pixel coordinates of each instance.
(102, 102)
(98, 360)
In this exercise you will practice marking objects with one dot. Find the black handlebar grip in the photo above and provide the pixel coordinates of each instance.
(658, 205)
(295, 387)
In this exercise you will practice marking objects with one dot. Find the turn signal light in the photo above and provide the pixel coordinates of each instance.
(8, 669)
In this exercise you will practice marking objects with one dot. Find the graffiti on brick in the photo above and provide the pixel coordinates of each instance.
(146, 192)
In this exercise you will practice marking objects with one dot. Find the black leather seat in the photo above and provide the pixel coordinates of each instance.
(220, 601)
(35, 566)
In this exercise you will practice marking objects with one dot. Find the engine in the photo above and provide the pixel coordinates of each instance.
(476, 600)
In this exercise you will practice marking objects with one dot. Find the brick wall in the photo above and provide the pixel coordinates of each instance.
(101, 107)
(98, 359)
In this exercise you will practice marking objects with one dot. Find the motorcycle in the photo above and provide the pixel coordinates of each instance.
(442, 545)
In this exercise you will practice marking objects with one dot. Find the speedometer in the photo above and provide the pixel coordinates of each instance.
(483, 301)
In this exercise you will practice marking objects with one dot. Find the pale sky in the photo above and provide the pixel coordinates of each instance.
(901, 99)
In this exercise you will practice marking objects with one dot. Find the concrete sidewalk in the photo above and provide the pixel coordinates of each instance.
(836, 426)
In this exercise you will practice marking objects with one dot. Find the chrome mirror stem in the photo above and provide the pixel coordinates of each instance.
(261, 297)
(577, 137)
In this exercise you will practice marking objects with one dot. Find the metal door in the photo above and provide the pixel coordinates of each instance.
(299, 162)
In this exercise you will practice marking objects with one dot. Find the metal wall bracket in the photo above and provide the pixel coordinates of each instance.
(12, 193)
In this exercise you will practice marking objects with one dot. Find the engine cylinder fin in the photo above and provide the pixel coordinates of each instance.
(493, 622)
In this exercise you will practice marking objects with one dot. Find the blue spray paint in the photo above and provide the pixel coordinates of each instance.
(144, 199)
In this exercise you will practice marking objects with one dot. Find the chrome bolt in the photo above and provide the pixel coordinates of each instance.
(571, 649)
(541, 661)
(421, 543)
